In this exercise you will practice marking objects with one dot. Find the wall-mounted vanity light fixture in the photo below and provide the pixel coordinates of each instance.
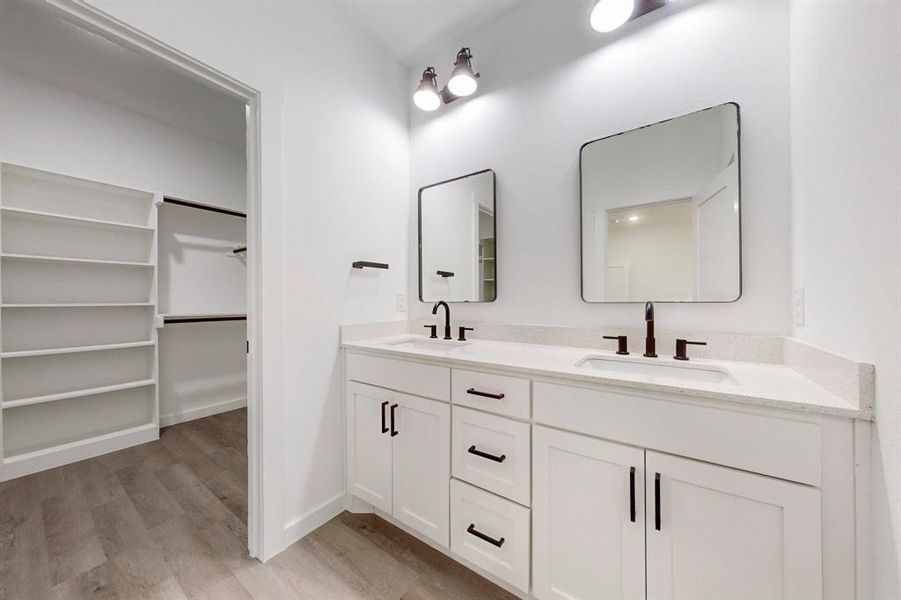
(608, 15)
(463, 82)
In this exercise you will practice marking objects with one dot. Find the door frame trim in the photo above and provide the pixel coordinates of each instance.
(265, 522)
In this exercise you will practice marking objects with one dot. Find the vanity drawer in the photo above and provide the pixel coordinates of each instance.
(481, 390)
(785, 447)
(491, 532)
(415, 378)
(492, 452)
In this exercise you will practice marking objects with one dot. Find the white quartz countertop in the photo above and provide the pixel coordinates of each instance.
(757, 384)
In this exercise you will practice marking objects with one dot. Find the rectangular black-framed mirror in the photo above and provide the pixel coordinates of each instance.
(661, 211)
(458, 239)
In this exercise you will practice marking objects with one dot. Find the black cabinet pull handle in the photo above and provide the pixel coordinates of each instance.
(632, 494)
(473, 531)
(393, 430)
(657, 501)
(476, 392)
(499, 459)
(384, 425)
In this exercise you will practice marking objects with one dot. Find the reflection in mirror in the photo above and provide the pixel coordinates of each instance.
(457, 233)
(661, 211)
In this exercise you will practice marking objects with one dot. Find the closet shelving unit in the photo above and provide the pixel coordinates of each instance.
(487, 267)
(207, 317)
(78, 295)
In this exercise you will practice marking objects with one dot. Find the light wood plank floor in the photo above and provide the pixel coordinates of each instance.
(167, 520)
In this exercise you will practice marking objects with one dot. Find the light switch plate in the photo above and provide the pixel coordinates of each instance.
(798, 306)
(401, 302)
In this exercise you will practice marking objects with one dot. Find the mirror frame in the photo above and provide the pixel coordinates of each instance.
(741, 279)
(419, 240)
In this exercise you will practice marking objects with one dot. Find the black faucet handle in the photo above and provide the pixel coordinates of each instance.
(463, 331)
(433, 329)
(682, 348)
(622, 343)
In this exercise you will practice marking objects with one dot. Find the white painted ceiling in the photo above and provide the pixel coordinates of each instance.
(407, 28)
(36, 42)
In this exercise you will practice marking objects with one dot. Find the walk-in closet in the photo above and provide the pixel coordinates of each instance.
(123, 277)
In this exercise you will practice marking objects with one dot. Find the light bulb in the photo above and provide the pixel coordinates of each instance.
(608, 15)
(426, 100)
(462, 84)
(426, 95)
(462, 81)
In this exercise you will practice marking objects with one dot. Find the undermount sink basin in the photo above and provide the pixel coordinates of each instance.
(688, 373)
(426, 344)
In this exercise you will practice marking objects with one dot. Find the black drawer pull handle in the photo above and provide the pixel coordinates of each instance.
(393, 430)
(473, 531)
(476, 392)
(499, 459)
(384, 425)
(657, 501)
(632, 494)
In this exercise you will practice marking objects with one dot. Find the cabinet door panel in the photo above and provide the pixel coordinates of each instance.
(422, 466)
(369, 473)
(730, 534)
(585, 545)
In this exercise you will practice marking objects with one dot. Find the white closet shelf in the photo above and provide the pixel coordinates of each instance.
(74, 261)
(80, 220)
(75, 349)
(78, 393)
(79, 305)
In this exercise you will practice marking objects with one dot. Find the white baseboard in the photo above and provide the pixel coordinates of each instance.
(314, 519)
(49, 458)
(201, 411)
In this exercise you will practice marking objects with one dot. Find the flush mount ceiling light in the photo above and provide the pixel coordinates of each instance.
(463, 82)
(608, 15)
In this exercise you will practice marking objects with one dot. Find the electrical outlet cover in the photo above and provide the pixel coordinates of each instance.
(401, 302)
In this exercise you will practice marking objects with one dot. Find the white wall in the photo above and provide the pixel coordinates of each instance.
(846, 183)
(203, 366)
(660, 254)
(335, 182)
(549, 84)
(52, 128)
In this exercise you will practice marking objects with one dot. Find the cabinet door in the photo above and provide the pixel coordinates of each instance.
(422, 466)
(723, 533)
(369, 444)
(588, 530)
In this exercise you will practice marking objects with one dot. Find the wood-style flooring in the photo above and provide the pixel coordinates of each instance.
(167, 520)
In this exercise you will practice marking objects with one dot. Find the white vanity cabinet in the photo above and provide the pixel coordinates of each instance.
(369, 444)
(562, 489)
(399, 447)
(711, 531)
(714, 532)
(588, 518)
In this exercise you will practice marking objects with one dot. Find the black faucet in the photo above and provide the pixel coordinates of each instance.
(650, 344)
(447, 334)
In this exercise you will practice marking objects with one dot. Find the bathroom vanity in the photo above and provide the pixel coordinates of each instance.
(565, 472)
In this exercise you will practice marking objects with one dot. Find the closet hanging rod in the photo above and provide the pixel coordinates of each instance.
(176, 320)
(197, 205)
